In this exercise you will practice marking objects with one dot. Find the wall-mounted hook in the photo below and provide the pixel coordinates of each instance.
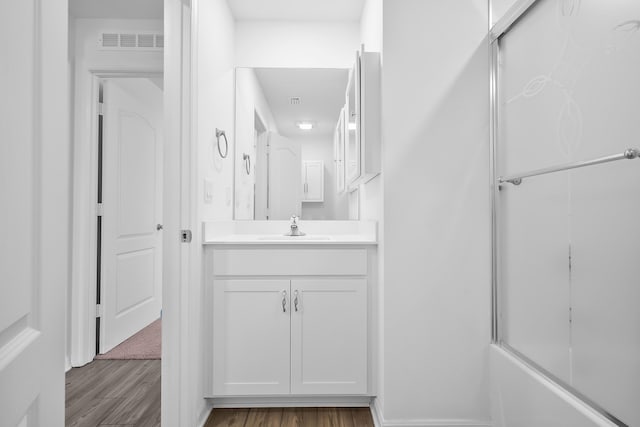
(247, 162)
(219, 133)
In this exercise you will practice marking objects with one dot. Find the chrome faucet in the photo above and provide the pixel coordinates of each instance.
(295, 231)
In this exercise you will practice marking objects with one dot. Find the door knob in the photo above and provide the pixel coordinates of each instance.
(159, 227)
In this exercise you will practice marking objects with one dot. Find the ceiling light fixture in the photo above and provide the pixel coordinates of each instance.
(305, 125)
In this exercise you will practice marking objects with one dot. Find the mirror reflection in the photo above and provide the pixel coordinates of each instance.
(351, 129)
(289, 134)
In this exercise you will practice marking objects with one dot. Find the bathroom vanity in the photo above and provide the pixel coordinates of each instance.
(290, 316)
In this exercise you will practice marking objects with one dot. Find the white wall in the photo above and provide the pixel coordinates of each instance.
(87, 34)
(437, 247)
(296, 44)
(370, 195)
(335, 205)
(499, 8)
(371, 25)
(214, 99)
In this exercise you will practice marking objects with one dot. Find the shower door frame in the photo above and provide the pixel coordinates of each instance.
(519, 10)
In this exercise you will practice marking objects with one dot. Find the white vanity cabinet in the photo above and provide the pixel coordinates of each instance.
(290, 321)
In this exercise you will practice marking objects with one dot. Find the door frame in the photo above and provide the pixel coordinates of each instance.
(84, 268)
(179, 208)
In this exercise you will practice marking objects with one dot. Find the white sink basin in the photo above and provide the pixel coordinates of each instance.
(293, 238)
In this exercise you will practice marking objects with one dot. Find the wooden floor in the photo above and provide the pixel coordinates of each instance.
(126, 393)
(114, 393)
(290, 417)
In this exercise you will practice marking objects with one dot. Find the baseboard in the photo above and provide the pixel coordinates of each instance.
(376, 413)
(290, 401)
(436, 423)
(204, 416)
(379, 421)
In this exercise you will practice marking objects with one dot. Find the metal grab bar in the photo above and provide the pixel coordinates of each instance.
(630, 153)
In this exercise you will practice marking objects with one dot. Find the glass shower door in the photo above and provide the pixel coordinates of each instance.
(569, 242)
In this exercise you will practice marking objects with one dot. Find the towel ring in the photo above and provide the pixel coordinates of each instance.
(220, 133)
(247, 162)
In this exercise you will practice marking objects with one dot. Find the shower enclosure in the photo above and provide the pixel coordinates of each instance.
(566, 178)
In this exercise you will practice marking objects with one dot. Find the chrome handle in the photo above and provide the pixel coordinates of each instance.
(284, 301)
(159, 227)
(295, 300)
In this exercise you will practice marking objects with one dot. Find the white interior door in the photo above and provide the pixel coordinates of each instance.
(132, 200)
(285, 175)
(34, 213)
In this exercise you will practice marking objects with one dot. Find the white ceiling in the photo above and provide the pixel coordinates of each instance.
(297, 10)
(117, 9)
(322, 95)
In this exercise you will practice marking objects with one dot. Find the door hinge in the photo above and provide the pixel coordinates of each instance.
(100, 209)
(185, 236)
(98, 310)
(100, 108)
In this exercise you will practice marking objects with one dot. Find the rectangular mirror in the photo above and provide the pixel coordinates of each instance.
(289, 133)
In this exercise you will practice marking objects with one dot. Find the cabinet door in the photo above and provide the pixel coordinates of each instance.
(339, 152)
(313, 185)
(352, 126)
(251, 325)
(329, 336)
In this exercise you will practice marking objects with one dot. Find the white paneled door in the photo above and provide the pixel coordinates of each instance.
(34, 211)
(285, 175)
(132, 209)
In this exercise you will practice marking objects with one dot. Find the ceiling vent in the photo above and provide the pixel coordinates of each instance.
(131, 41)
(294, 100)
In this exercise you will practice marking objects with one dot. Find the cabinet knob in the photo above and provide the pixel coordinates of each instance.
(284, 301)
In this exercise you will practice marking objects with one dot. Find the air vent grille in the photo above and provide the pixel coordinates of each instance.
(294, 100)
(131, 41)
(128, 40)
(109, 40)
(145, 40)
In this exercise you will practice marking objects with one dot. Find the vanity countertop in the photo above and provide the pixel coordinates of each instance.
(273, 233)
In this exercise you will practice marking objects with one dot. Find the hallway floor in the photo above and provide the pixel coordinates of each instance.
(115, 393)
